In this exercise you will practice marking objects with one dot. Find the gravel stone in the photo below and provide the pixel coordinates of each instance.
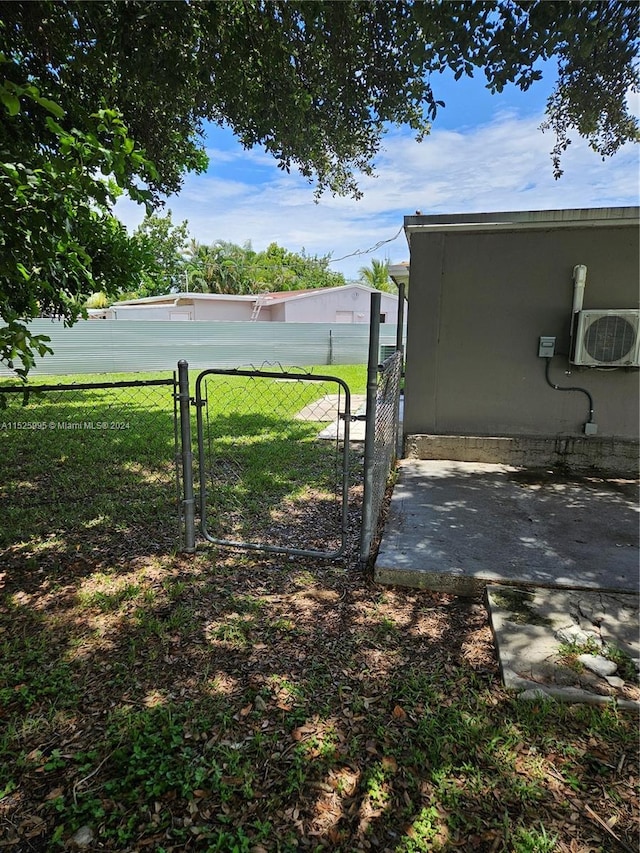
(575, 634)
(83, 837)
(598, 664)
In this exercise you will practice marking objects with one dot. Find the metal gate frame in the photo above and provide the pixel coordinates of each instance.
(189, 500)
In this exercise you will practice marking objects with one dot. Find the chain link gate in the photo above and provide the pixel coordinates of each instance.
(273, 461)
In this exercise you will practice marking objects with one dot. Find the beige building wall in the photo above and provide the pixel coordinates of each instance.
(221, 310)
(478, 302)
(341, 305)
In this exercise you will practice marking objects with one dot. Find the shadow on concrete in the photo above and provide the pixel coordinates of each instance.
(456, 526)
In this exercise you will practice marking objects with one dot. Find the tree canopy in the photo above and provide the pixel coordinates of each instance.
(164, 246)
(173, 262)
(314, 82)
(125, 89)
(224, 267)
(377, 275)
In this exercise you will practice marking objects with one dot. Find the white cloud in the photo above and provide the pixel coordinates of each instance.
(501, 165)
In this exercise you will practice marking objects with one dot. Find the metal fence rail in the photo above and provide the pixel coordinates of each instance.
(273, 450)
(97, 457)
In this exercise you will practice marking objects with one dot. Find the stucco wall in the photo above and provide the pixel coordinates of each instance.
(322, 307)
(221, 310)
(146, 312)
(478, 303)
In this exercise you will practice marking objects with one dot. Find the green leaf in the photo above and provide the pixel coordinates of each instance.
(51, 106)
(55, 128)
(11, 102)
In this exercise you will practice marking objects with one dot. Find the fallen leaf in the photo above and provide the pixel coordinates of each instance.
(54, 794)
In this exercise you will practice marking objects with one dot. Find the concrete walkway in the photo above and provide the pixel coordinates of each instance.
(470, 528)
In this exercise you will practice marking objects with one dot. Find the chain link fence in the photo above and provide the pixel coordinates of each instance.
(274, 460)
(95, 464)
(88, 461)
(382, 439)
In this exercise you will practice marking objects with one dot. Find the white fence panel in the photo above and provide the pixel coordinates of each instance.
(130, 346)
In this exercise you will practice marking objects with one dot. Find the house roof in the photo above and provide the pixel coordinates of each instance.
(269, 298)
(174, 298)
(290, 295)
(523, 219)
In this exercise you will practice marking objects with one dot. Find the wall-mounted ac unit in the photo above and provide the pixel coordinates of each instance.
(608, 339)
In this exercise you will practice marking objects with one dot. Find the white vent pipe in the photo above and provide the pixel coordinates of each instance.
(579, 281)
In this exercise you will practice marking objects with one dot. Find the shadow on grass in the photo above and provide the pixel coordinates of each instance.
(268, 480)
(85, 465)
(229, 703)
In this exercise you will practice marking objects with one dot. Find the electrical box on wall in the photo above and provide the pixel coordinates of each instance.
(607, 338)
(546, 347)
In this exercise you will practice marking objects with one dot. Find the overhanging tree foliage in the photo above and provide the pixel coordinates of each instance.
(58, 240)
(315, 83)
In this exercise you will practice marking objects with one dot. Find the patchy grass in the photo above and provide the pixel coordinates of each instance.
(569, 654)
(102, 460)
(236, 702)
(227, 703)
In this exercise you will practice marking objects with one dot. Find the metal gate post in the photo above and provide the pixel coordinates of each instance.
(368, 522)
(400, 347)
(188, 501)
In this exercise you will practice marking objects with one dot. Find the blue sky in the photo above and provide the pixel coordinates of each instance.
(485, 153)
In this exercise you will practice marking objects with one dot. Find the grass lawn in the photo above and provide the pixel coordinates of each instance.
(233, 701)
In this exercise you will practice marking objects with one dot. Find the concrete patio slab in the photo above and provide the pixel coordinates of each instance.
(457, 526)
(557, 559)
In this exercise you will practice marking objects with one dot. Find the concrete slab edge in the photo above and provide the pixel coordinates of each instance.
(462, 585)
(529, 690)
(470, 586)
(533, 690)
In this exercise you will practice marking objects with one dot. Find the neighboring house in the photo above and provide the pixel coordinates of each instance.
(346, 304)
(484, 291)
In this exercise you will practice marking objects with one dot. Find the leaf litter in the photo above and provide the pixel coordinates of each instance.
(231, 701)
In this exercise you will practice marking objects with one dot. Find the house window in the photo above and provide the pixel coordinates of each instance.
(383, 318)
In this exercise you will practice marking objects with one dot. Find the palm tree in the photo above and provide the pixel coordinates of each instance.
(377, 275)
